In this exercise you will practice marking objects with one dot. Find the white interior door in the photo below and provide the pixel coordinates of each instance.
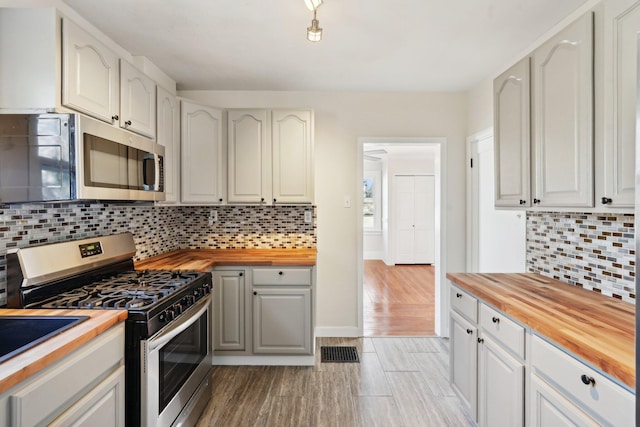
(404, 218)
(424, 219)
(415, 219)
(498, 236)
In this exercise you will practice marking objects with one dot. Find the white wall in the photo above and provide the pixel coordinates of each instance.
(340, 118)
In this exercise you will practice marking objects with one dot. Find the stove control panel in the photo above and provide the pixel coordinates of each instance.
(183, 304)
(90, 249)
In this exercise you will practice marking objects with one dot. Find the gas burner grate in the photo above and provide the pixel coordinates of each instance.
(339, 354)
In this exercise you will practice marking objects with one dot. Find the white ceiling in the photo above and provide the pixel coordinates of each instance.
(375, 45)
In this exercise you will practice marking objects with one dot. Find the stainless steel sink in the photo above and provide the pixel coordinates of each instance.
(20, 333)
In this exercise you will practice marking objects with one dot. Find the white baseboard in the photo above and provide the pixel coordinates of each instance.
(338, 331)
(284, 360)
(372, 255)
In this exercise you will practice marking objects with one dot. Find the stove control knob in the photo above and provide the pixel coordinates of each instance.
(206, 288)
(178, 308)
(170, 314)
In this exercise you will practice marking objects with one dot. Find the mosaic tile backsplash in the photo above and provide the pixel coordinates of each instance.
(593, 251)
(156, 229)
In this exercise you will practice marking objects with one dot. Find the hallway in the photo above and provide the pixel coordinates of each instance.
(398, 300)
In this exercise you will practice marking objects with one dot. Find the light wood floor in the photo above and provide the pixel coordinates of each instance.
(398, 300)
(398, 382)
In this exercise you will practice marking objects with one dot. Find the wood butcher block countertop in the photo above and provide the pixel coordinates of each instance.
(20, 367)
(598, 329)
(206, 259)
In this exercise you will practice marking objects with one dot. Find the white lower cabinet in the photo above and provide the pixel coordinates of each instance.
(85, 388)
(263, 311)
(591, 392)
(281, 321)
(549, 408)
(508, 375)
(464, 361)
(229, 312)
(500, 386)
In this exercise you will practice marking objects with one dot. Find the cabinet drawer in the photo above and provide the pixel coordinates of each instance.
(282, 276)
(608, 401)
(54, 390)
(503, 329)
(463, 303)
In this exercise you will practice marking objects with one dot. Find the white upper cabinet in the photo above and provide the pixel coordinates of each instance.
(201, 154)
(292, 160)
(270, 156)
(137, 101)
(563, 117)
(168, 135)
(615, 162)
(512, 137)
(89, 74)
(247, 160)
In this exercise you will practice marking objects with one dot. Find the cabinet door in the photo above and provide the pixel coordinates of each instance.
(201, 154)
(500, 387)
(228, 299)
(101, 407)
(137, 101)
(281, 321)
(89, 74)
(292, 156)
(548, 408)
(168, 135)
(616, 162)
(248, 156)
(464, 361)
(512, 137)
(563, 117)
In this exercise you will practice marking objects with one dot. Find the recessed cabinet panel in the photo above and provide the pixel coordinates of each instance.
(292, 161)
(500, 387)
(89, 74)
(616, 162)
(463, 361)
(228, 298)
(137, 101)
(512, 136)
(550, 408)
(247, 133)
(282, 321)
(168, 135)
(563, 117)
(201, 154)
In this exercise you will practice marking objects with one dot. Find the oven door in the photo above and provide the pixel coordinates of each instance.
(176, 361)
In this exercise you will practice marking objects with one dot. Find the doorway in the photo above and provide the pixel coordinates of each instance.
(497, 237)
(401, 166)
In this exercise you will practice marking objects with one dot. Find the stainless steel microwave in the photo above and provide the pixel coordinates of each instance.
(56, 157)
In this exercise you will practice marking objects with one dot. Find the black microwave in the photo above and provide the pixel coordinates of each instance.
(57, 157)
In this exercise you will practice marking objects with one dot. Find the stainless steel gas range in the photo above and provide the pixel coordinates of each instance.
(168, 350)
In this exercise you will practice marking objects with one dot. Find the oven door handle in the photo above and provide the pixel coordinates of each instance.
(178, 328)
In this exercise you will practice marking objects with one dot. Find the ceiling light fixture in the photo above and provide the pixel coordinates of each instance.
(314, 32)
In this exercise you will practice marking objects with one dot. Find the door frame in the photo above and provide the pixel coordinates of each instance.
(472, 198)
(440, 161)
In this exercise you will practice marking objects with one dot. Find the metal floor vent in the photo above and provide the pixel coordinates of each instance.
(339, 354)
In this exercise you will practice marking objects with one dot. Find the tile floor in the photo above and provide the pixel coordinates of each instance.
(398, 382)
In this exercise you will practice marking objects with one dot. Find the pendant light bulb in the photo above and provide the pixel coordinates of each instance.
(312, 5)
